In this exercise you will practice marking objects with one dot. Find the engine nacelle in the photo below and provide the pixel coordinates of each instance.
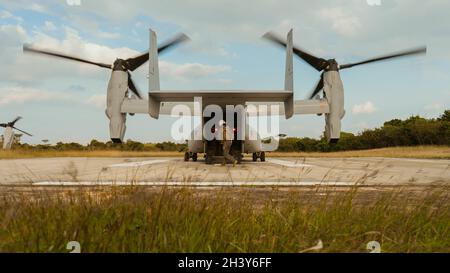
(334, 94)
(8, 138)
(117, 91)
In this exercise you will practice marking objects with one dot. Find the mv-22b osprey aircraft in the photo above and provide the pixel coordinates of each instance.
(124, 98)
(8, 135)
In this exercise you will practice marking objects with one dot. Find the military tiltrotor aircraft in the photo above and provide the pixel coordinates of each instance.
(8, 135)
(237, 107)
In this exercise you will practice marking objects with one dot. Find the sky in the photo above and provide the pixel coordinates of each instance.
(65, 101)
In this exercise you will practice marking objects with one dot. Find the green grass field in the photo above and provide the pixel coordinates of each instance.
(225, 220)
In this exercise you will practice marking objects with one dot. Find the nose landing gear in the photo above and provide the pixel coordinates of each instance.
(189, 155)
(260, 155)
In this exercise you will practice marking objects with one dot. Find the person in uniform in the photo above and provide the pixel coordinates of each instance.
(226, 144)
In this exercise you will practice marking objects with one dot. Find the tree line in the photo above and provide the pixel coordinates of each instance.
(96, 145)
(413, 131)
(410, 132)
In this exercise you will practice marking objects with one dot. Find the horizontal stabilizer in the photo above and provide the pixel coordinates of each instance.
(229, 97)
(301, 107)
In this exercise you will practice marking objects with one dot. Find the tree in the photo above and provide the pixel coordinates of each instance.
(96, 145)
(445, 116)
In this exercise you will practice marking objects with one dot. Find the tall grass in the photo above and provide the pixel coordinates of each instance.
(225, 220)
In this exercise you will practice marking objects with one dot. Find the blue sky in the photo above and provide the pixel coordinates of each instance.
(64, 101)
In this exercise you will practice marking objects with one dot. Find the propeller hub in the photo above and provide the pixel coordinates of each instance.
(332, 65)
(120, 65)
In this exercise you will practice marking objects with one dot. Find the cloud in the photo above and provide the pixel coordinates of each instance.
(12, 35)
(41, 6)
(434, 107)
(21, 95)
(30, 68)
(188, 71)
(198, 43)
(4, 14)
(49, 26)
(108, 35)
(342, 29)
(343, 22)
(224, 81)
(37, 7)
(24, 95)
(22, 67)
(97, 101)
(364, 108)
(74, 44)
(361, 125)
(76, 88)
(349, 28)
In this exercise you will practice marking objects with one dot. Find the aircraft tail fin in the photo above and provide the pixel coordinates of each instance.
(289, 77)
(153, 76)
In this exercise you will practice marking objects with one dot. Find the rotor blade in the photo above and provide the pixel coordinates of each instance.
(15, 120)
(318, 63)
(3, 125)
(421, 50)
(22, 131)
(27, 48)
(136, 62)
(319, 87)
(132, 86)
(179, 38)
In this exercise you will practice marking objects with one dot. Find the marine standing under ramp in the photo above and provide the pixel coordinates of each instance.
(228, 136)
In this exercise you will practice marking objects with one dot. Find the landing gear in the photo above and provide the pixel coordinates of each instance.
(209, 159)
(238, 158)
(260, 155)
(212, 158)
(188, 155)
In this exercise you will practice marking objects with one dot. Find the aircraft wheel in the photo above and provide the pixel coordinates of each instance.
(255, 157)
(186, 156)
(263, 156)
(194, 157)
(239, 159)
(208, 159)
